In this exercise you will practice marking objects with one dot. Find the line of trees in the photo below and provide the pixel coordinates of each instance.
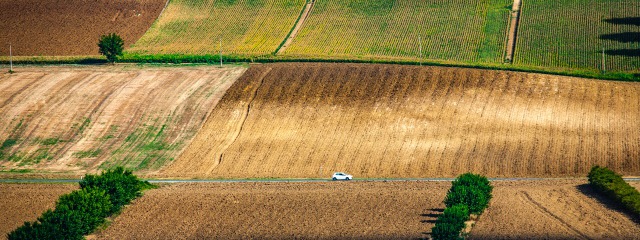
(613, 186)
(469, 194)
(79, 213)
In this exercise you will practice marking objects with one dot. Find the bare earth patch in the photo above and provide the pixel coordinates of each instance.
(563, 209)
(326, 210)
(26, 202)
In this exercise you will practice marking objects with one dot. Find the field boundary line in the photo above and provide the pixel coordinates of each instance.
(240, 126)
(545, 210)
(513, 29)
(296, 27)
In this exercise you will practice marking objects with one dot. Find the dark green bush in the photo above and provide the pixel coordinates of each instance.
(612, 185)
(450, 223)
(121, 185)
(471, 190)
(76, 214)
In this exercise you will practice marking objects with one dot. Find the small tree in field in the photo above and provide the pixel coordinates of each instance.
(111, 46)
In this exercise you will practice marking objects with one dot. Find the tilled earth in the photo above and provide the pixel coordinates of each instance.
(26, 202)
(71, 27)
(563, 209)
(321, 210)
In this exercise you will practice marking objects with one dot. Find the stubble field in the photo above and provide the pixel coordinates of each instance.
(308, 120)
(81, 119)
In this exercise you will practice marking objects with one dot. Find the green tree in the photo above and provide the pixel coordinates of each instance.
(111, 46)
(119, 183)
(450, 223)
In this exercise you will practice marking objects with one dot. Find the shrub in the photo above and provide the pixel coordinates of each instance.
(76, 214)
(450, 223)
(121, 185)
(471, 190)
(111, 46)
(612, 185)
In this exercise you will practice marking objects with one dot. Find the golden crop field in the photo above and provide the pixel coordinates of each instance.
(460, 30)
(309, 120)
(245, 27)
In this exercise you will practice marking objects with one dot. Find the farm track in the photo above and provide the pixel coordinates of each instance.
(71, 27)
(78, 119)
(385, 121)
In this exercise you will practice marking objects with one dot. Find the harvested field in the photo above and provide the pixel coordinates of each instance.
(299, 120)
(552, 210)
(60, 119)
(71, 27)
(327, 210)
(25, 202)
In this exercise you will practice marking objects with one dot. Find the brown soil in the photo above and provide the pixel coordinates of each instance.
(308, 120)
(552, 210)
(26, 202)
(334, 210)
(80, 119)
(71, 27)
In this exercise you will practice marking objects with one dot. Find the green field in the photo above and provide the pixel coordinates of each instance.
(458, 30)
(572, 34)
(245, 27)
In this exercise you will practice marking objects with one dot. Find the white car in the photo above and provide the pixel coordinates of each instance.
(341, 176)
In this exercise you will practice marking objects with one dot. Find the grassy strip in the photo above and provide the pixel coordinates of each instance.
(612, 185)
(80, 212)
(215, 59)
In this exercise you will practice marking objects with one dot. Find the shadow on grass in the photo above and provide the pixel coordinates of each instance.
(589, 191)
(624, 21)
(624, 52)
(625, 37)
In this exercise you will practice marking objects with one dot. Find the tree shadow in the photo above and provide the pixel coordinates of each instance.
(624, 52)
(625, 37)
(609, 203)
(625, 21)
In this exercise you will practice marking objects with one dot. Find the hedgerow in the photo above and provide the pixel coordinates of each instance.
(613, 186)
(78, 213)
(469, 194)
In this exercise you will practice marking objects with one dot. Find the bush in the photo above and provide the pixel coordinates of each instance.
(111, 46)
(76, 214)
(471, 190)
(612, 185)
(80, 212)
(450, 223)
(121, 185)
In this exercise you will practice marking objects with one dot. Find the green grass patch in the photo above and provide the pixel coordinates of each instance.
(50, 141)
(7, 143)
(88, 153)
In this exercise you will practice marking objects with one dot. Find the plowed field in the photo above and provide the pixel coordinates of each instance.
(308, 120)
(25, 202)
(71, 27)
(552, 210)
(341, 210)
(85, 118)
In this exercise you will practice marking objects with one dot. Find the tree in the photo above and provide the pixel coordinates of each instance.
(450, 223)
(111, 46)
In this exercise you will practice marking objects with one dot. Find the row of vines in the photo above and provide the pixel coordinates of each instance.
(242, 27)
(573, 34)
(461, 30)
